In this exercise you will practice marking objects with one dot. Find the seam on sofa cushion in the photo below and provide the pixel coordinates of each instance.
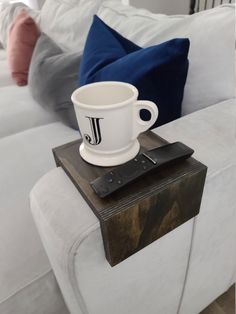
(25, 286)
(143, 14)
(217, 172)
(188, 264)
(152, 16)
(71, 263)
(67, 3)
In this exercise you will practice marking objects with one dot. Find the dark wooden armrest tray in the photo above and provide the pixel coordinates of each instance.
(144, 211)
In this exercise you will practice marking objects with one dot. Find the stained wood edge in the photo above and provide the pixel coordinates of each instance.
(110, 256)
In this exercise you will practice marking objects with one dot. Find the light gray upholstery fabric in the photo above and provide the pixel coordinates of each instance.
(212, 133)
(40, 296)
(24, 158)
(150, 281)
(144, 283)
(19, 112)
(5, 75)
(67, 22)
(3, 54)
(53, 76)
(213, 258)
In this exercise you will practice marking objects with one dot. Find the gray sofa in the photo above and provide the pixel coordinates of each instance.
(184, 271)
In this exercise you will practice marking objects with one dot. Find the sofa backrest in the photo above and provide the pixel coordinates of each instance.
(211, 76)
(67, 21)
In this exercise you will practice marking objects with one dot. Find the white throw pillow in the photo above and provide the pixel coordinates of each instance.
(212, 40)
(67, 22)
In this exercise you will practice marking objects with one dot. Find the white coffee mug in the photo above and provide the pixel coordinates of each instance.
(109, 121)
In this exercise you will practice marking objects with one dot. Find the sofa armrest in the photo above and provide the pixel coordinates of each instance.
(71, 234)
(152, 280)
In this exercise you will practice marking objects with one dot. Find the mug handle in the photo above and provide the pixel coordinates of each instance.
(139, 124)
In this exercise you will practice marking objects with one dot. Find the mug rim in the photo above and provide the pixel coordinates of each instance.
(134, 97)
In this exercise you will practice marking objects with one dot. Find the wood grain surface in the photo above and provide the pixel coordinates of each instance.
(143, 211)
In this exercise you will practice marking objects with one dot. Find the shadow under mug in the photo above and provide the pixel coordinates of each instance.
(108, 115)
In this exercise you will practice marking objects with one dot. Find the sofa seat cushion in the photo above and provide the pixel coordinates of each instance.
(5, 74)
(19, 112)
(24, 158)
(3, 54)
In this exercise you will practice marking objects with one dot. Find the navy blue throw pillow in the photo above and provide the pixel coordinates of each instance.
(158, 72)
